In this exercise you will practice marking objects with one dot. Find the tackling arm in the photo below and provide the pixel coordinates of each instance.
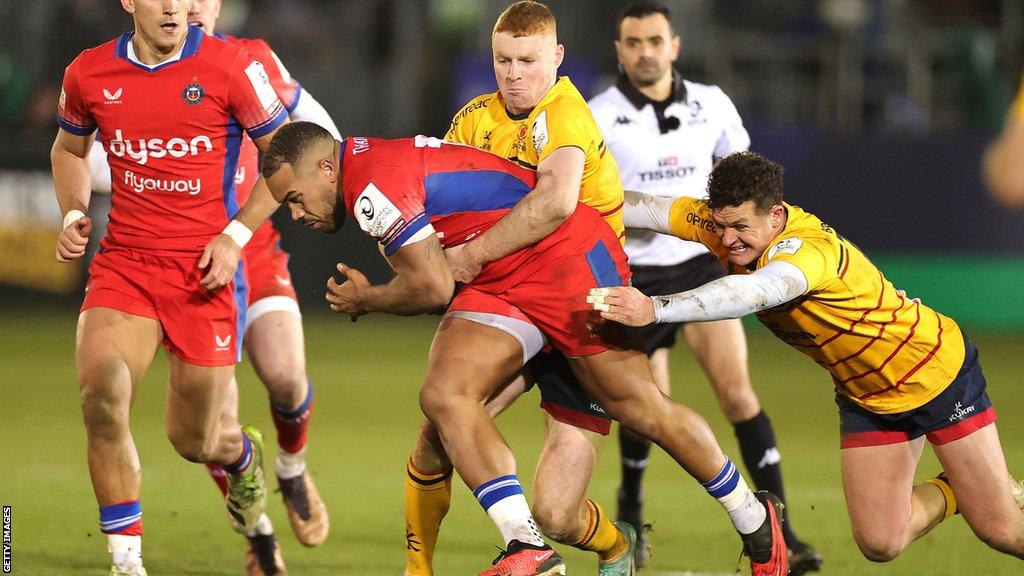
(730, 297)
(422, 283)
(538, 214)
(647, 211)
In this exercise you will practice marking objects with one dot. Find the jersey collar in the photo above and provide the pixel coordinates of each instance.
(125, 50)
(638, 100)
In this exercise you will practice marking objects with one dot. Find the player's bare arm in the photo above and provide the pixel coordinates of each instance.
(71, 181)
(1001, 165)
(223, 252)
(538, 214)
(423, 283)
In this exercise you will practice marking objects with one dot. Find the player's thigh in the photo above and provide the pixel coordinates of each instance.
(619, 380)
(468, 359)
(196, 398)
(563, 473)
(113, 349)
(274, 341)
(878, 483)
(977, 473)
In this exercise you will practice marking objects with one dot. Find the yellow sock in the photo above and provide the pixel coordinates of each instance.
(601, 535)
(942, 483)
(427, 497)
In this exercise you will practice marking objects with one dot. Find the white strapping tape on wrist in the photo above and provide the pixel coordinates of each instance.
(238, 232)
(71, 217)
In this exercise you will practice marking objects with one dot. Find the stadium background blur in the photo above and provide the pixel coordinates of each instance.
(878, 109)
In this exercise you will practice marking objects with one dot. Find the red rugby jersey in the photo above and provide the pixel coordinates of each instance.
(396, 188)
(172, 134)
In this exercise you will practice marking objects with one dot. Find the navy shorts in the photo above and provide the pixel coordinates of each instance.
(561, 395)
(960, 409)
(658, 280)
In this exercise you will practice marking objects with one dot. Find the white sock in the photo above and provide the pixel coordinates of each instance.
(291, 465)
(263, 527)
(514, 520)
(745, 510)
(126, 552)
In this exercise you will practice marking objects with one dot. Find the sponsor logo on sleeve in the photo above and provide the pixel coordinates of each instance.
(787, 246)
(623, 121)
(540, 131)
(377, 215)
(257, 75)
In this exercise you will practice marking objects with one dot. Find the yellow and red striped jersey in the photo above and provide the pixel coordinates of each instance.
(561, 118)
(887, 352)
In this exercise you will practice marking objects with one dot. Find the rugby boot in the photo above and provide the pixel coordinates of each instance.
(803, 558)
(522, 559)
(306, 511)
(626, 564)
(263, 558)
(247, 493)
(766, 546)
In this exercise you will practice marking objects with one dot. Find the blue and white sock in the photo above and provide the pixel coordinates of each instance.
(505, 503)
(244, 460)
(745, 510)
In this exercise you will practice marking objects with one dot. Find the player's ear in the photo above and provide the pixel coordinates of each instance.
(559, 55)
(777, 215)
(128, 5)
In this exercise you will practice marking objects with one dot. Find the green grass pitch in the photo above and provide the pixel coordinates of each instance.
(367, 377)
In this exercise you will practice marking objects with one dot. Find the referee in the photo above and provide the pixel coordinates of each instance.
(665, 134)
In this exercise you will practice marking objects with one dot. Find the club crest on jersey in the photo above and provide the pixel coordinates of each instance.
(193, 94)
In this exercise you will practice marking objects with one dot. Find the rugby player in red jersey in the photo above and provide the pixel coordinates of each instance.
(419, 196)
(273, 326)
(170, 105)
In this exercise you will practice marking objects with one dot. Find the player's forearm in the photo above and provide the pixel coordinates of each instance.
(733, 296)
(71, 180)
(533, 218)
(260, 206)
(646, 211)
(407, 297)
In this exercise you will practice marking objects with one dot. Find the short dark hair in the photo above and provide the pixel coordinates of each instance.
(642, 10)
(290, 145)
(745, 176)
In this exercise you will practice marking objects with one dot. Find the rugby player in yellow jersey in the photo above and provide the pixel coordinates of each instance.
(1002, 166)
(902, 371)
(542, 122)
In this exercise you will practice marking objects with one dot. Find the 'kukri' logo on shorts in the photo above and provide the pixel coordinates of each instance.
(959, 412)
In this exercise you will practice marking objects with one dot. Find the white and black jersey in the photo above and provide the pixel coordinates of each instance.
(668, 149)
